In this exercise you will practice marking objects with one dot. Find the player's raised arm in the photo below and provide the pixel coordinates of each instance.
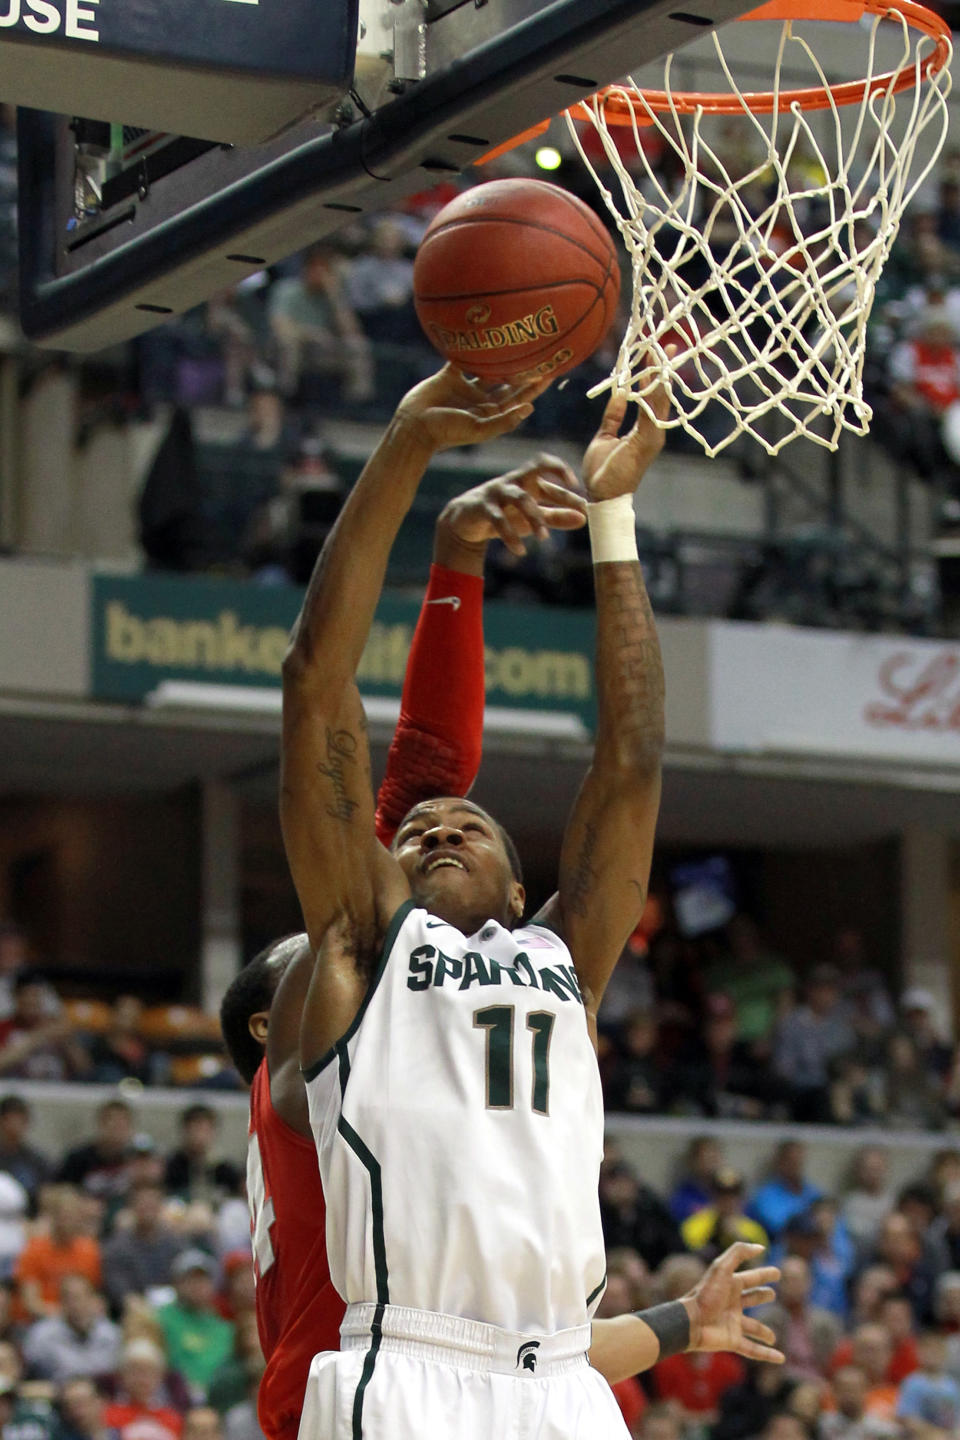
(608, 843)
(437, 745)
(326, 803)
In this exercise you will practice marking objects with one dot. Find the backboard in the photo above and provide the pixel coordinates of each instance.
(436, 84)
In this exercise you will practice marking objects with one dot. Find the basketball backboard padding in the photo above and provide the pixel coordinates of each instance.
(185, 66)
(231, 212)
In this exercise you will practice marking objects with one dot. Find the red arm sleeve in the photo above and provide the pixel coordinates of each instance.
(437, 744)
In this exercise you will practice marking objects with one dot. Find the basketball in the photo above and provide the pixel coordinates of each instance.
(514, 276)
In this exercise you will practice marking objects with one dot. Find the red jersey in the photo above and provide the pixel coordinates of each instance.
(298, 1310)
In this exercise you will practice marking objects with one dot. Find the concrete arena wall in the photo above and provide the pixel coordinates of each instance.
(64, 1117)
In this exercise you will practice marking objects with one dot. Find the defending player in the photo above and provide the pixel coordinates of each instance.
(452, 1081)
(436, 749)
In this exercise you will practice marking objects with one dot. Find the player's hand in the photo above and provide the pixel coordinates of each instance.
(533, 501)
(449, 410)
(717, 1303)
(614, 464)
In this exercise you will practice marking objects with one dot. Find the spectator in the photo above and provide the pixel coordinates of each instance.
(757, 980)
(808, 1040)
(722, 1076)
(930, 1398)
(636, 1078)
(11, 1332)
(65, 1250)
(316, 329)
(898, 1247)
(14, 957)
(816, 1235)
(914, 1098)
(869, 1199)
(896, 1317)
(202, 1423)
(14, 1204)
(806, 1334)
(787, 1192)
(17, 1157)
(81, 1410)
(120, 1053)
(632, 1214)
(191, 1171)
(862, 985)
(784, 1426)
(918, 1007)
(872, 1353)
(198, 1340)
(35, 1045)
(924, 373)
(745, 1409)
(231, 1384)
(139, 1411)
(660, 1422)
(100, 1166)
(870, 1288)
(23, 1417)
(78, 1341)
(850, 1421)
(241, 1421)
(697, 1383)
(139, 1257)
(710, 1230)
(692, 1192)
(379, 286)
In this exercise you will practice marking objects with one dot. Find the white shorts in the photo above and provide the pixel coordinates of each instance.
(405, 1374)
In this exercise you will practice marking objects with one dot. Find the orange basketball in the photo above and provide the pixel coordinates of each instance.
(516, 275)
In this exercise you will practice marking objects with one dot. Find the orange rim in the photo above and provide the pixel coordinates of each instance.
(622, 105)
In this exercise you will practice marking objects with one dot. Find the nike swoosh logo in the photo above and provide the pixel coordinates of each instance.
(435, 924)
(453, 600)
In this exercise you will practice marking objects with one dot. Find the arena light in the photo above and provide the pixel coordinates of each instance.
(548, 157)
(189, 695)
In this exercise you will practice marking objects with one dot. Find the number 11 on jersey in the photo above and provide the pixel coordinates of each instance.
(499, 1022)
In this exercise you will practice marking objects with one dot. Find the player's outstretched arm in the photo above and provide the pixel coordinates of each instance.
(326, 800)
(608, 844)
(437, 745)
(711, 1317)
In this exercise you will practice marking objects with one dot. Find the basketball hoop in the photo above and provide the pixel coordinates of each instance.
(753, 284)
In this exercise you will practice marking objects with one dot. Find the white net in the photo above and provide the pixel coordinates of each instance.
(756, 253)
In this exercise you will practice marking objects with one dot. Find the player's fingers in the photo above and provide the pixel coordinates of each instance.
(756, 1330)
(525, 506)
(490, 426)
(563, 517)
(613, 414)
(505, 530)
(765, 1275)
(550, 493)
(750, 1350)
(759, 1295)
(738, 1254)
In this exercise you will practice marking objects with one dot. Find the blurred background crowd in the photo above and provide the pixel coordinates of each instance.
(126, 1289)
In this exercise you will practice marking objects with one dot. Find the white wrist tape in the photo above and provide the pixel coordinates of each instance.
(613, 530)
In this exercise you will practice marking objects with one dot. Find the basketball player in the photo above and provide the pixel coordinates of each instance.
(297, 1306)
(448, 1051)
(436, 749)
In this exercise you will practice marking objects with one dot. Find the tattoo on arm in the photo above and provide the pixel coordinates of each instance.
(584, 876)
(629, 666)
(341, 752)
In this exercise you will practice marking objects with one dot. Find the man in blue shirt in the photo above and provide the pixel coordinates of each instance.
(787, 1193)
(930, 1397)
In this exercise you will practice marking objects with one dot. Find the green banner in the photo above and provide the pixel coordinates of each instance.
(217, 632)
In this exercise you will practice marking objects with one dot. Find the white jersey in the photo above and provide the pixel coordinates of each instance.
(459, 1128)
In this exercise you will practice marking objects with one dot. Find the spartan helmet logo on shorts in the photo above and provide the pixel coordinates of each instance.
(526, 1357)
(478, 314)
